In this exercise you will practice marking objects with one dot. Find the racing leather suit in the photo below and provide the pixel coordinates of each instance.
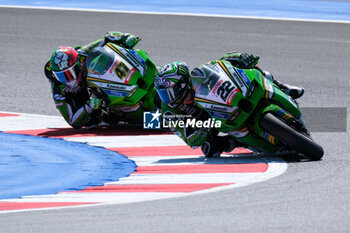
(193, 136)
(78, 107)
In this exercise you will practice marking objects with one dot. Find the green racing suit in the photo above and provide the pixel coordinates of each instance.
(79, 108)
(193, 136)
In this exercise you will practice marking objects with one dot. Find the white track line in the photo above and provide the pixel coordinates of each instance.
(275, 167)
(130, 141)
(25, 122)
(180, 14)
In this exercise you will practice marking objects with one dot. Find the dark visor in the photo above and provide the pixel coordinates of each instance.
(169, 94)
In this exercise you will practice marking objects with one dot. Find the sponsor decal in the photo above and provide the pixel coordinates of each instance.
(284, 114)
(215, 107)
(116, 93)
(217, 86)
(117, 87)
(138, 57)
(269, 137)
(237, 78)
(244, 76)
(123, 55)
(114, 86)
(230, 97)
(58, 97)
(239, 81)
(134, 62)
(128, 77)
(113, 67)
(218, 114)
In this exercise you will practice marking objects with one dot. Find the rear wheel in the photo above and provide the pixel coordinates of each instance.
(292, 138)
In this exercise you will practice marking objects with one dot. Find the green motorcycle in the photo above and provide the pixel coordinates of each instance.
(253, 110)
(123, 79)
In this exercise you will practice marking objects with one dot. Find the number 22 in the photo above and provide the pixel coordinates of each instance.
(225, 89)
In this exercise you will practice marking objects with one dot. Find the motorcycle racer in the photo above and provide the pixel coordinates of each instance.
(174, 87)
(66, 71)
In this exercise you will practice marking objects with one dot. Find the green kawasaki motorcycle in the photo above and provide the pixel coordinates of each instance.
(123, 79)
(253, 110)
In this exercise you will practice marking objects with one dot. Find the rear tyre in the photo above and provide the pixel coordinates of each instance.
(292, 138)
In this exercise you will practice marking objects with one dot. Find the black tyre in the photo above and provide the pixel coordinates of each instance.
(292, 138)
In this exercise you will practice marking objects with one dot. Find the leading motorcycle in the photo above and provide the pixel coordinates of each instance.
(253, 110)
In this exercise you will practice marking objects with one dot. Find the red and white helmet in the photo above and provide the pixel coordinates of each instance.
(66, 67)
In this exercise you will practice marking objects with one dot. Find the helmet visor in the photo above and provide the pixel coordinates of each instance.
(67, 75)
(170, 94)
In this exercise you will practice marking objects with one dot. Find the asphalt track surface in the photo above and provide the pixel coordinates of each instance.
(308, 197)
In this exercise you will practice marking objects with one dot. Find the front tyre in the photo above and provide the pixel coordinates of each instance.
(292, 138)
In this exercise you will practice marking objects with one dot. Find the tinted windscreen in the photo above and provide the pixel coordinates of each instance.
(99, 61)
(204, 79)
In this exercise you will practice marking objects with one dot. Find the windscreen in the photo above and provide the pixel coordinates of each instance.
(99, 61)
(204, 79)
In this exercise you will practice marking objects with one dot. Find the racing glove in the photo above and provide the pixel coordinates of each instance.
(93, 104)
(126, 40)
(59, 97)
(241, 60)
(130, 41)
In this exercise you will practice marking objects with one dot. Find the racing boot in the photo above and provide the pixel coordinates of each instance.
(228, 143)
(293, 91)
(210, 150)
(214, 148)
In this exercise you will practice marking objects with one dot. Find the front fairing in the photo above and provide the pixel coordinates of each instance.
(124, 77)
(233, 95)
(213, 84)
(217, 90)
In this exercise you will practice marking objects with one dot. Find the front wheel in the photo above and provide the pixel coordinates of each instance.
(292, 138)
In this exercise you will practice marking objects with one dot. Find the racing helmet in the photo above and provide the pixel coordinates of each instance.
(172, 83)
(66, 67)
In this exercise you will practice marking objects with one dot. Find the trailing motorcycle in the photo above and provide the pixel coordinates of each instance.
(123, 79)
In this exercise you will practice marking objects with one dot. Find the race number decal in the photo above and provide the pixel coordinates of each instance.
(121, 70)
(225, 89)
